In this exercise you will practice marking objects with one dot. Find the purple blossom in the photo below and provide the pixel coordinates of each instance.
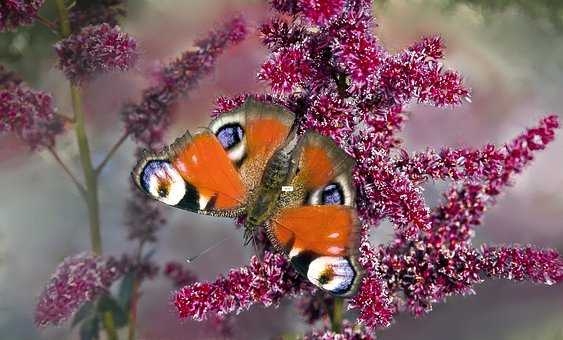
(28, 113)
(349, 332)
(94, 50)
(287, 70)
(14, 13)
(148, 120)
(78, 279)
(321, 11)
(266, 282)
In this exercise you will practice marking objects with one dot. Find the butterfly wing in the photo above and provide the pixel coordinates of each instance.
(316, 224)
(214, 171)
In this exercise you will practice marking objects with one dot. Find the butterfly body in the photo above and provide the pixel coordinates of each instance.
(251, 162)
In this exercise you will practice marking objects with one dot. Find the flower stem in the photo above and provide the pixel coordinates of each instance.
(88, 169)
(109, 325)
(89, 173)
(47, 23)
(133, 309)
(79, 186)
(111, 152)
(63, 17)
(337, 315)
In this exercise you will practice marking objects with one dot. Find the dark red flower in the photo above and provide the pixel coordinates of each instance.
(28, 113)
(78, 279)
(14, 13)
(94, 50)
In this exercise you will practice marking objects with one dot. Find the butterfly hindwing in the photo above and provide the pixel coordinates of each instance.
(214, 171)
(316, 224)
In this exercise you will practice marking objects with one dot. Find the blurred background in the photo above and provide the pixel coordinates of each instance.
(510, 53)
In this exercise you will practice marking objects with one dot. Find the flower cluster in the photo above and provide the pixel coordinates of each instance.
(148, 120)
(78, 279)
(14, 13)
(94, 50)
(334, 74)
(28, 113)
(265, 282)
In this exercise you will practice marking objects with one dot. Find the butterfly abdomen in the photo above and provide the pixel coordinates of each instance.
(264, 202)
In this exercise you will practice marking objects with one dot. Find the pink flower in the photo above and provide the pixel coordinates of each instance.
(265, 282)
(321, 11)
(78, 279)
(523, 263)
(94, 50)
(148, 120)
(287, 70)
(14, 13)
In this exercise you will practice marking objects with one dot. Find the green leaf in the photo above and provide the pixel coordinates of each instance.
(90, 329)
(126, 290)
(108, 304)
(86, 311)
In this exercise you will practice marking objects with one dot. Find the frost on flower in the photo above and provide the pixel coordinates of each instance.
(14, 13)
(340, 81)
(30, 114)
(148, 120)
(78, 279)
(94, 50)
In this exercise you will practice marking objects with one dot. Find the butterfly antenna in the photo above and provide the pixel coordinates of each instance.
(257, 251)
(191, 259)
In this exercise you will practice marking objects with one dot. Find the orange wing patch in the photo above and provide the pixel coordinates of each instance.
(316, 167)
(264, 136)
(326, 230)
(205, 164)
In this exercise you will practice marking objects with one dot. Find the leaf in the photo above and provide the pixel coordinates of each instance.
(90, 329)
(126, 290)
(86, 311)
(108, 304)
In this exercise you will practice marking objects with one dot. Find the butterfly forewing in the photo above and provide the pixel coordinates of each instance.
(215, 171)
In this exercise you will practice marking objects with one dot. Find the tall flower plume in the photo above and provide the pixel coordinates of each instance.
(147, 120)
(334, 74)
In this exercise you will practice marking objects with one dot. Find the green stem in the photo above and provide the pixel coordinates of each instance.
(91, 183)
(88, 169)
(79, 186)
(111, 152)
(337, 315)
(63, 17)
(109, 325)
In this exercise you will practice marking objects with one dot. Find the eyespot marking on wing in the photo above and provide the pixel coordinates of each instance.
(160, 180)
(332, 273)
(337, 192)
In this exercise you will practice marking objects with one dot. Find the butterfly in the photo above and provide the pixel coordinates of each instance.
(251, 162)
